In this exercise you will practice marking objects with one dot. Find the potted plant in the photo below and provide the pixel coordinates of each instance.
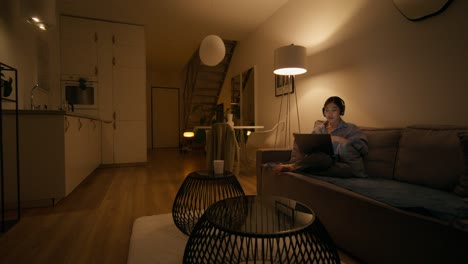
(6, 85)
(82, 83)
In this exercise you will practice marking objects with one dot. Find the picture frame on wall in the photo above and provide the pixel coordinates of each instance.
(284, 84)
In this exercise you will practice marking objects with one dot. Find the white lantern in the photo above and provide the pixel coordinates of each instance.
(212, 50)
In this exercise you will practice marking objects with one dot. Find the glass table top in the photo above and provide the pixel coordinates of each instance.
(259, 215)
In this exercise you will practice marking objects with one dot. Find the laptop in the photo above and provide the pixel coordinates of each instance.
(309, 143)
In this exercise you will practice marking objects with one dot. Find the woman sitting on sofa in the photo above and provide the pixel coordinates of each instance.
(349, 146)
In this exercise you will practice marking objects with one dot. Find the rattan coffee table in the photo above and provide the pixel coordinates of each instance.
(259, 229)
(199, 190)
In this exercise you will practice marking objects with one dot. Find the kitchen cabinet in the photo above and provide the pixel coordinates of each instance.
(129, 94)
(121, 73)
(82, 150)
(57, 152)
(78, 38)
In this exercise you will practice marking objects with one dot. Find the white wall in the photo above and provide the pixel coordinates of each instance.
(20, 46)
(390, 71)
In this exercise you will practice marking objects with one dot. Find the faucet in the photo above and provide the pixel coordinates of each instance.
(32, 96)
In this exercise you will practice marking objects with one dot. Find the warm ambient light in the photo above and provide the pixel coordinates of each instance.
(249, 132)
(290, 60)
(189, 134)
(35, 19)
(212, 50)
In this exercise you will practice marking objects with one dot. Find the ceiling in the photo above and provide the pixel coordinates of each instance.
(175, 28)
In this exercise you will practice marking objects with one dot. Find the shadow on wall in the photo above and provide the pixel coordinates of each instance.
(376, 30)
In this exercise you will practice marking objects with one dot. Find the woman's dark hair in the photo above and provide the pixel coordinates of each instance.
(338, 101)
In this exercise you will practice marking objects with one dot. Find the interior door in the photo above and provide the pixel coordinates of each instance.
(165, 117)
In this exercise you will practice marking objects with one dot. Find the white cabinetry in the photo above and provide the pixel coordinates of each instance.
(82, 149)
(121, 73)
(78, 38)
(129, 100)
(57, 153)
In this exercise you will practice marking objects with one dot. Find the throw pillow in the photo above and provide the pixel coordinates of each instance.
(351, 156)
(383, 148)
(462, 187)
(431, 157)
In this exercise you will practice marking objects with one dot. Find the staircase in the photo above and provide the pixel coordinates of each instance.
(202, 88)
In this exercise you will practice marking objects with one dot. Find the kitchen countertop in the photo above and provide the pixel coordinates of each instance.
(49, 112)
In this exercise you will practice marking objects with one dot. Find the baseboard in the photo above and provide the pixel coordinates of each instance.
(119, 165)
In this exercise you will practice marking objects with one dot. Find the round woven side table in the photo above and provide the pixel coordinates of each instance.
(199, 190)
(259, 229)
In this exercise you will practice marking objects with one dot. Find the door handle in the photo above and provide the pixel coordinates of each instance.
(67, 124)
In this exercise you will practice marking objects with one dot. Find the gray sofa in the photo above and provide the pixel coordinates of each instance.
(412, 207)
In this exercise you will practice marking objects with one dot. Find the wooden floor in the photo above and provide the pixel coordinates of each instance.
(93, 224)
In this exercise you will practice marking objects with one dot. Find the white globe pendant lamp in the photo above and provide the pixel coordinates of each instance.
(212, 50)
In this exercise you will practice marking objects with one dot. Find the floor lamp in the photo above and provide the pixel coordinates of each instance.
(290, 61)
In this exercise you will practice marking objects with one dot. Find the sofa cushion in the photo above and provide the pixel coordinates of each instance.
(383, 147)
(430, 156)
(438, 204)
(462, 187)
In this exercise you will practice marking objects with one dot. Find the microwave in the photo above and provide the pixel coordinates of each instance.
(81, 92)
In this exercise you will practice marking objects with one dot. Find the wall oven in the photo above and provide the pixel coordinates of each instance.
(80, 91)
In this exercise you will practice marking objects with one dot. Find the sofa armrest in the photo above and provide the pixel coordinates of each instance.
(273, 155)
(267, 156)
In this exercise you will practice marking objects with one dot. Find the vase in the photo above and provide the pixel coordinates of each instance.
(229, 120)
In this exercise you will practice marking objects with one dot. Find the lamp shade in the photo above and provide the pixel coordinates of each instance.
(290, 60)
(212, 50)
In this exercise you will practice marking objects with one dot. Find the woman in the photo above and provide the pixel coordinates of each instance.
(349, 145)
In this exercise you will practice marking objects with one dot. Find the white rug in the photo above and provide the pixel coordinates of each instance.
(156, 239)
